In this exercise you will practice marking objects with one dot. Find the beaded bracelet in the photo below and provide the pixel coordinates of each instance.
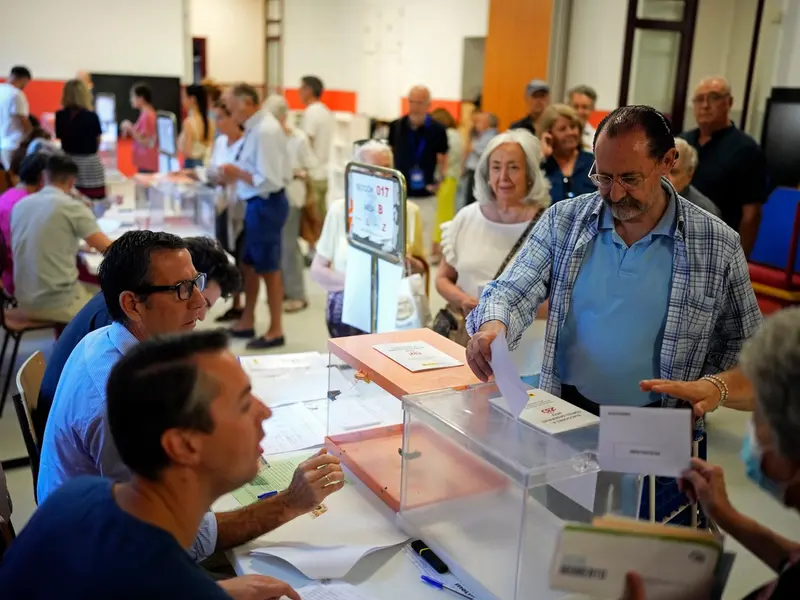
(721, 386)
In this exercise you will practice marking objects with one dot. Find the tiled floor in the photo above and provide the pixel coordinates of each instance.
(306, 331)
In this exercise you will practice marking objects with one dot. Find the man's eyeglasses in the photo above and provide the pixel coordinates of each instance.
(184, 289)
(711, 97)
(629, 181)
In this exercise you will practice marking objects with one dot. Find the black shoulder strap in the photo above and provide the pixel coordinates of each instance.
(518, 244)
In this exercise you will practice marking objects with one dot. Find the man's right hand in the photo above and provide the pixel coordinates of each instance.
(479, 351)
(314, 480)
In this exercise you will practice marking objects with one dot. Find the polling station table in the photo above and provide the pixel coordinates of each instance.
(390, 573)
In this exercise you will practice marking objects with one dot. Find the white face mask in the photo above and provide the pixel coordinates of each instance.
(753, 457)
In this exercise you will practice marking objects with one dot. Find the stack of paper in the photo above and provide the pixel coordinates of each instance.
(674, 562)
(550, 413)
(417, 356)
(328, 544)
(292, 427)
(335, 590)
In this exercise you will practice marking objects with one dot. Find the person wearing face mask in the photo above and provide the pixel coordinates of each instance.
(566, 165)
(641, 283)
(770, 452)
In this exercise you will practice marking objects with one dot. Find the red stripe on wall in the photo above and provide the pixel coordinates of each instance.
(597, 116)
(43, 95)
(451, 106)
(337, 100)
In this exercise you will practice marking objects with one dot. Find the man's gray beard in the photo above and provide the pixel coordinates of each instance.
(626, 209)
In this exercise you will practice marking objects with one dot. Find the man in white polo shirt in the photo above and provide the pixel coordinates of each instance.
(318, 126)
(14, 113)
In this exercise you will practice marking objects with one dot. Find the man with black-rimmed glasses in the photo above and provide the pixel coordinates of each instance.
(151, 288)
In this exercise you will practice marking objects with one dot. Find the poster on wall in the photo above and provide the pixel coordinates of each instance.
(376, 210)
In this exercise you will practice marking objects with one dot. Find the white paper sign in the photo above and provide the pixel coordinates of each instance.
(417, 356)
(357, 303)
(645, 441)
(372, 200)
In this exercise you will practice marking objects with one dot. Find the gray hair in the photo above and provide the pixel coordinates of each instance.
(584, 90)
(539, 192)
(363, 151)
(686, 152)
(245, 90)
(771, 361)
(277, 105)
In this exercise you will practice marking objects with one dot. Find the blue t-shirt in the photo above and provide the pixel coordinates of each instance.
(79, 544)
(92, 316)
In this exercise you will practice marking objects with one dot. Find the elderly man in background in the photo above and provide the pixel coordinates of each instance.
(641, 283)
(583, 99)
(732, 170)
(182, 413)
(770, 452)
(537, 98)
(681, 177)
(151, 288)
(420, 150)
(261, 172)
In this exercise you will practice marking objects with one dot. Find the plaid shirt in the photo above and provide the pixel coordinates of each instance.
(712, 308)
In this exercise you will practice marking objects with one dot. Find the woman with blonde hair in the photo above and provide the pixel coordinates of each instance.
(446, 196)
(566, 165)
(511, 193)
(78, 128)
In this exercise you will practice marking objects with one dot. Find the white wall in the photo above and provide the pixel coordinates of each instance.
(381, 48)
(55, 38)
(235, 38)
(596, 44)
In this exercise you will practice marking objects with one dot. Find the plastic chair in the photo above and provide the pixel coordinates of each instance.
(29, 382)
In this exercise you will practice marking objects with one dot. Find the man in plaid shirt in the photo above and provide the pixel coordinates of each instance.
(642, 284)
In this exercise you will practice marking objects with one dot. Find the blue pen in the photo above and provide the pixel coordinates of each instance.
(267, 495)
(440, 586)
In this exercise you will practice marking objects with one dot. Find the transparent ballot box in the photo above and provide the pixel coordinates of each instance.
(489, 494)
(365, 412)
(175, 200)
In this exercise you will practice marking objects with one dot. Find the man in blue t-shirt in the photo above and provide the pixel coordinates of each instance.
(184, 419)
(222, 280)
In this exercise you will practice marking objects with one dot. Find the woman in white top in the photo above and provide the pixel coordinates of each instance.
(230, 210)
(303, 162)
(511, 193)
(197, 132)
(330, 261)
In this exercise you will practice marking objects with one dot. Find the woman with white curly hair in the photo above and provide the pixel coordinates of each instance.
(511, 193)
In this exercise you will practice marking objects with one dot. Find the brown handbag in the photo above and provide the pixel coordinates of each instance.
(310, 219)
(450, 321)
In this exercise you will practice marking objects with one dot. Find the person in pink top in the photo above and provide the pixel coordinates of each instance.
(143, 132)
(30, 182)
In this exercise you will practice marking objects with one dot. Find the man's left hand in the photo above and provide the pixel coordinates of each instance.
(257, 587)
(314, 480)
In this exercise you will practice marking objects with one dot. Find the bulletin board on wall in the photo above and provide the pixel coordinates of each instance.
(166, 92)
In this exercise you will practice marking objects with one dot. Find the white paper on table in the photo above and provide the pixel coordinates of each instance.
(425, 568)
(389, 278)
(417, 356)
(291, 427)
(335, 590)
(357, 301)
(551, 414)
(351, 520)
(645, 441)
(270, 362)
(515, 392)
(314, 562)
(279, 387)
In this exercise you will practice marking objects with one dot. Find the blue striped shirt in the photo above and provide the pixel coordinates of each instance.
(712, 309)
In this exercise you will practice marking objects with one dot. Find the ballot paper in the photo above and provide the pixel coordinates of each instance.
(549, 413)
(389, 277)
(507, 378)
(357, 301)
(270, 362)
(335, 590)
(277, 387)
(273, 477)
(291, 427)
(417, 356)
(645, 441)
(328, 545)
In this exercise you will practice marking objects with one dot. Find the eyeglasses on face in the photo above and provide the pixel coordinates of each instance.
(629, 181)
(184, 289)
